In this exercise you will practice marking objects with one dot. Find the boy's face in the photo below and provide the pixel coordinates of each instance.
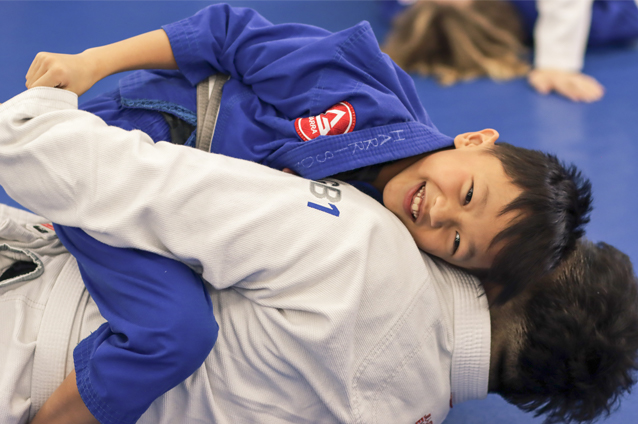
(450, 201)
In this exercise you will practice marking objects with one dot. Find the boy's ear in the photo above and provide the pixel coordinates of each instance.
(485, 138)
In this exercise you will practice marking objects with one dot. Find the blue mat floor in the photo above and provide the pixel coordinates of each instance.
(600, 138)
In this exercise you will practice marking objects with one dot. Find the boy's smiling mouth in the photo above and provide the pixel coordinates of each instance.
(417, 200)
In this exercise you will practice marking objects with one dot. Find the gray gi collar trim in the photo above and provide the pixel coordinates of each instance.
(209, 98)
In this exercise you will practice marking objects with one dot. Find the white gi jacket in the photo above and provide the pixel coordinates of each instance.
(327, 310)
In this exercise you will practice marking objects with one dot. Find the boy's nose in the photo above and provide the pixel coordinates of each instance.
(441, 213)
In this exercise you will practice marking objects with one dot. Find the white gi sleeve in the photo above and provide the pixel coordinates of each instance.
(124, 190)
(561, 32)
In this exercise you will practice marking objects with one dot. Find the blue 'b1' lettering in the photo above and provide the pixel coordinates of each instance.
(325, 189)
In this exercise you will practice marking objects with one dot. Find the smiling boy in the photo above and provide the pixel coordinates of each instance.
(282, 77)
(451, 201)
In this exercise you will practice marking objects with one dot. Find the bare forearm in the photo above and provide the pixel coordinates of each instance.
(65, 406)
(79, 72)
(151, 50)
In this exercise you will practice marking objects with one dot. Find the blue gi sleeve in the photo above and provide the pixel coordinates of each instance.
(160, 327)
(301, 70)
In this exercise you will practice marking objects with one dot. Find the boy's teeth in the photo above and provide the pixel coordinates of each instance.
(416, 201)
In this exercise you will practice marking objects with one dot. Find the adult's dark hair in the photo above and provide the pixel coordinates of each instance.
(552, 210)
(454, 41)
(579, 347)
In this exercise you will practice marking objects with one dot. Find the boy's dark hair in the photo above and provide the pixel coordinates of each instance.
(484, 38)
(552, 211)
(579, 349)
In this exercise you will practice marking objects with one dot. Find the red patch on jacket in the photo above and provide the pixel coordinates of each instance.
(426, 419)
(339, 119)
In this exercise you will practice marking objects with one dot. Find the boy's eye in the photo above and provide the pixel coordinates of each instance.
(468, 196)
(457, 241)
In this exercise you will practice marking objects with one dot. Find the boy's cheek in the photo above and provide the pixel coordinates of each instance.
(429, 242)
(390, 197)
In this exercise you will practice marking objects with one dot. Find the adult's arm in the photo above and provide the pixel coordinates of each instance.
(560, 33)
(560, 39)
(207, 210)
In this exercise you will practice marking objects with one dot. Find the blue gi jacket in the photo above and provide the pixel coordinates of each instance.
(276, 78)
(283, 78)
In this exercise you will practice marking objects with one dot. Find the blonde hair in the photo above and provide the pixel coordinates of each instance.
(452, 43)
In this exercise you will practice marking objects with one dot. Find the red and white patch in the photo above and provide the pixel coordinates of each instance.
(426, 419)
(339, 119)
